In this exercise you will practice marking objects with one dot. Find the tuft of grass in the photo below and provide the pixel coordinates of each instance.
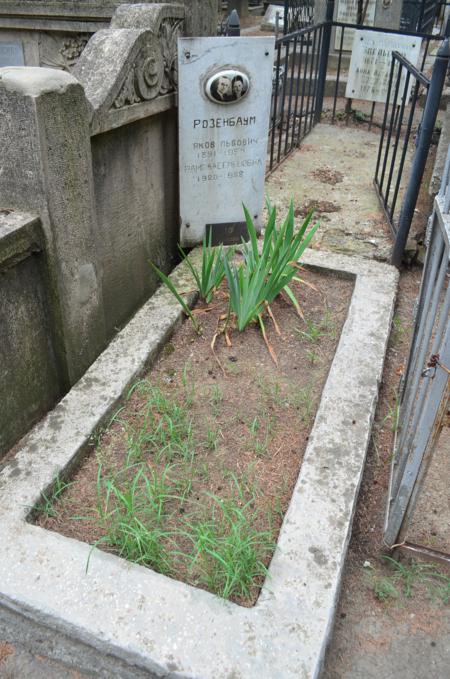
(228, 553)
(303, 401)
(313, 357)
(215, 400)
(398, 330)
(165, 427)
(271, 391)
(315, 331)
(405, 579)
(46, 506)
(261, 433)
(212, 439)
(131, 510)
(393, 414)
(211, 273)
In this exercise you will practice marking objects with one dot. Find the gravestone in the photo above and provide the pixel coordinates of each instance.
(370, 64)
(11, 54)
(347, 12)
(241, 7)
(269, 21)
(224, 95)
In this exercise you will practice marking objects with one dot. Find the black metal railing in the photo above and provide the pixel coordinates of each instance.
(297, 90)
(310, 81)
(340, 104)
(298, 14)
(406, 84)
(441, 17)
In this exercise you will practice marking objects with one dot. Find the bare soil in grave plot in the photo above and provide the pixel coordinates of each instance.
(249, 423)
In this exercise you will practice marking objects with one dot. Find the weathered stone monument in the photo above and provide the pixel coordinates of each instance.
(53, 33)
(88, 195)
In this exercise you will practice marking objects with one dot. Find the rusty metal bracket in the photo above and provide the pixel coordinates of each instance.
(432, 365)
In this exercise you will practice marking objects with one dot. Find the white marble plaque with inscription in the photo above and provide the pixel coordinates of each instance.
(224, 95)
(347, 12)
(370, 64)
(11, 54)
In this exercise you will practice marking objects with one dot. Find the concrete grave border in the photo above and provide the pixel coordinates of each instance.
(124, 620)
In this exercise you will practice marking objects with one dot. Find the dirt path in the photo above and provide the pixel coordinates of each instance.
(399, 636)
(332, 173)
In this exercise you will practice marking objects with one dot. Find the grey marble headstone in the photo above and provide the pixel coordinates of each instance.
(11, 54)
(224, 95)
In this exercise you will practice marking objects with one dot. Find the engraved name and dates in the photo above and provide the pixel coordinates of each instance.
(223, 159)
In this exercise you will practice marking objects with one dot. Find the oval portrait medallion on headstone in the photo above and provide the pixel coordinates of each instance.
(227, 86)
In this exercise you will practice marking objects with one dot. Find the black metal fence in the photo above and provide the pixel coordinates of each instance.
(419, 15)
(296, 96)
(406, 83)
(298, 14)
(339, 78)
(309, 83)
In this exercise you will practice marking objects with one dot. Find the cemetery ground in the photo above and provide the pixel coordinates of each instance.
(382, 628)
(218, 437)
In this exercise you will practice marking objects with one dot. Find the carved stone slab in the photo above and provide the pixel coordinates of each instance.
(131, 64)
(222, 134)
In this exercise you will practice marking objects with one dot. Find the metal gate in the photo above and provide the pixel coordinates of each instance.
(297, 14)
(426, 384)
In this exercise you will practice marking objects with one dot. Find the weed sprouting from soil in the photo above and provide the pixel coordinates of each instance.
(404, 579)
(194, 473)
(47, 505)
(227, 551)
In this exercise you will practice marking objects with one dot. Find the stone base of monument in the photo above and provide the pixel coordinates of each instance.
(123, 620)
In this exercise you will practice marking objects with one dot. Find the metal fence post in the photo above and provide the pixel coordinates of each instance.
(421, 154)
(233, 24)
(322, 74)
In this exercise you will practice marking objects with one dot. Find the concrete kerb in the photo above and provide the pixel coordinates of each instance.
(147, 623)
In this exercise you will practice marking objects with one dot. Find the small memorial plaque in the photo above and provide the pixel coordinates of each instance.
(347, 12)
(11, 54)
(370, 64)
(224, 96)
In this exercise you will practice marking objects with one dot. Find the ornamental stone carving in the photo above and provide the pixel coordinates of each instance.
(154, 71)
(170, 31)
(62, 51)
(145, 78)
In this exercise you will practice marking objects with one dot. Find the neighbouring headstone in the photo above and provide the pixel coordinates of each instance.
(347, 12)
(370, 63)
(241, 7)
(11, 54)
(269, 22)
(224, 95)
